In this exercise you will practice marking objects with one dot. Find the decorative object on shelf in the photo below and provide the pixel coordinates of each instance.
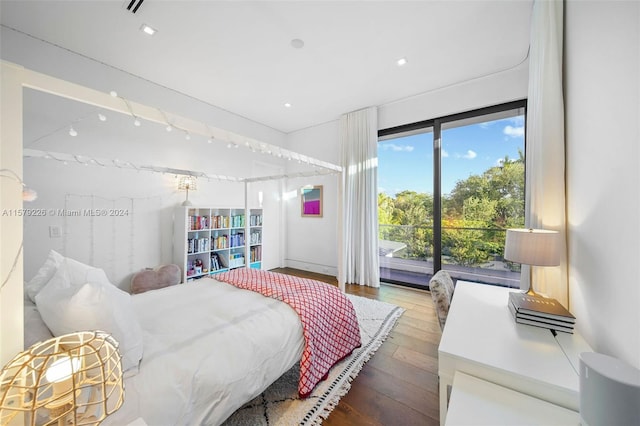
(536, 247)
(187, 183)
(71, 379)
(311, 197)
(609, 391)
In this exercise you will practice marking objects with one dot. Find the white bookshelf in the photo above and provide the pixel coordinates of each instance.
(209, 240)
(255, 238)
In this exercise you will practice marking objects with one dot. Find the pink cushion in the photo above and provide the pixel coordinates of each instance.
(152, 279)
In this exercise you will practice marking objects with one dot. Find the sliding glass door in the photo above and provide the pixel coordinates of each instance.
(405, 206)
(448, 189)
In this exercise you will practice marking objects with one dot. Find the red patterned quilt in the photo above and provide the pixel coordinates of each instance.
(329, 322)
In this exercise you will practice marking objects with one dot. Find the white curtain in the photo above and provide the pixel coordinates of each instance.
(358, 208)
(545, 151)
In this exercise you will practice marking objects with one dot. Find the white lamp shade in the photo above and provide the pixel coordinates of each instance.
(539, 247)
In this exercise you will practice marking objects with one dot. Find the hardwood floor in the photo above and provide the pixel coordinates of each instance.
(399, 384)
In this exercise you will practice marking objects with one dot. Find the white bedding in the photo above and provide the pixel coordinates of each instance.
(209, 347)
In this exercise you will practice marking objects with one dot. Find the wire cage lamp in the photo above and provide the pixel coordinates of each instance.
(71, 379)
(187, 183)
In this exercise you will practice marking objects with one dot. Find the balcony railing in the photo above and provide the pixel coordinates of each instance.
(474, 254)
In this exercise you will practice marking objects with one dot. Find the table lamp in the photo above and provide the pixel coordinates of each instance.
(536, 247)
(187, 183)
(71, 379)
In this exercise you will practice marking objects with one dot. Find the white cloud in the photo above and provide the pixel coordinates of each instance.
(470, 155)
(485, 125)
(397, 148)
(518, 120)
(444, 153)
(514, 132)
(500, 162)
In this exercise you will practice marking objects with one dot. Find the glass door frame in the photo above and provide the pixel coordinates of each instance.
(436, 124)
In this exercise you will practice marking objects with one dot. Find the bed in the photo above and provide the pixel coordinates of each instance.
(256, 341)
(207, 346)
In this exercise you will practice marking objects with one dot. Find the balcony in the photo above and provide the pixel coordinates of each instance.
(472, 254)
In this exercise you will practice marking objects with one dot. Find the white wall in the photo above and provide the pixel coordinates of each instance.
(602, 73)
(143, 238)
(312, 243)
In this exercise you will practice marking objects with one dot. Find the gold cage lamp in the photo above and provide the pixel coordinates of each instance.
(537, 247)
(75, 379)
(187, 183)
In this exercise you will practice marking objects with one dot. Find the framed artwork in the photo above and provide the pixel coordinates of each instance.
(311, 197)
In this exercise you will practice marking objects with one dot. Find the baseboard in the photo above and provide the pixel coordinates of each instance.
(312, 267)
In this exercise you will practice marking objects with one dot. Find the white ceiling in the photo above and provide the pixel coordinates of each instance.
(237, 55)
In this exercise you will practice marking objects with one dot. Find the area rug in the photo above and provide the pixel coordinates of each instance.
(280, 405)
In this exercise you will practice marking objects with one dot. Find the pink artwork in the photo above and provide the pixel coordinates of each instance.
(312, 201)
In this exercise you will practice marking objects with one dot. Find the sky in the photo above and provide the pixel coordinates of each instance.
(406, 163)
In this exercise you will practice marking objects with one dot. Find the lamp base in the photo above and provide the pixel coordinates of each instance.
(530, 292)
(187, 203)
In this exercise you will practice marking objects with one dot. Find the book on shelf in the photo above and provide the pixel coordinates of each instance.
(544, 307)
(566, 327)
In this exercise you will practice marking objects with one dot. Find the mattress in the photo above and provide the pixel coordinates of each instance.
(209, 347)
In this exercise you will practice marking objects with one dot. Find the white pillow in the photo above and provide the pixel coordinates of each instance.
(35, 330)
(44, 274)
(80, 297)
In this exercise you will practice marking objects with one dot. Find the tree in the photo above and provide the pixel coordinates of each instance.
(475, 214)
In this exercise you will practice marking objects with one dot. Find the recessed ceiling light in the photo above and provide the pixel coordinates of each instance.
(147, 29)
(296, 43)
(402, 61)
(287, 105)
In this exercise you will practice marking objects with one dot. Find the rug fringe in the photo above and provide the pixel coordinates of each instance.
(316, 418)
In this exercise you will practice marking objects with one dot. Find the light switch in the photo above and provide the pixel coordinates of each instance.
(55, 232)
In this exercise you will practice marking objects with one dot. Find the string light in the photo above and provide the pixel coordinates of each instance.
(254, 146)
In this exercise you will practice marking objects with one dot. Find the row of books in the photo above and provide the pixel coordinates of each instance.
(255, 220)
(197, 245)
(236, 240)
(216, 262)
(219, 222)
(541, 311)
(255, 254)
(220, 242)
(255, 238)
(197, 223)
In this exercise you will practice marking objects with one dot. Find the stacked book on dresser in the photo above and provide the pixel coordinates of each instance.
(541, 312)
